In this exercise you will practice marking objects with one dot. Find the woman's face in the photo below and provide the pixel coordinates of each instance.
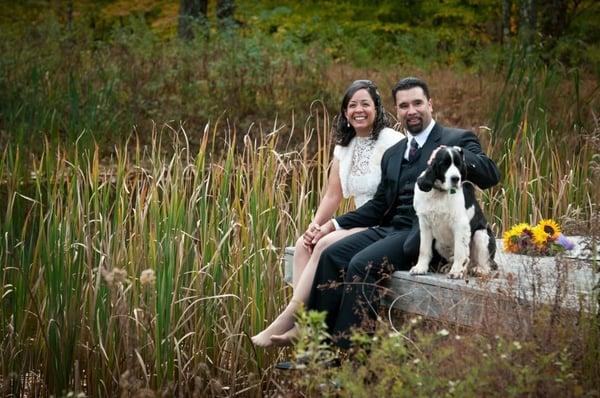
(361, 113)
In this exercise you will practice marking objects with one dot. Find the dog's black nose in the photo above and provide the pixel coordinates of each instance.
(454, 179)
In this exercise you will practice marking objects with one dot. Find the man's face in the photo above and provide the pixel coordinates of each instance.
(413, 109)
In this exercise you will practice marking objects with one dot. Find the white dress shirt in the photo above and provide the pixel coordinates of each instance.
(421, 138)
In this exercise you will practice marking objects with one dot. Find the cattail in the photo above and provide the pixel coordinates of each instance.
(147, 277)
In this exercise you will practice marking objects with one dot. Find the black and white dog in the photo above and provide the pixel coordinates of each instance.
(451, 219)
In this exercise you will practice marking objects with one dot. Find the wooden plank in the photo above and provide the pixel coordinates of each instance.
(288, 264)
(520, 281)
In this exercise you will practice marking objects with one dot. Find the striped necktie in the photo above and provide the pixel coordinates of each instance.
(412, 152)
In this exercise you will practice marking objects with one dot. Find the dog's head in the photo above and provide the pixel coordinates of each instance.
(446, 172)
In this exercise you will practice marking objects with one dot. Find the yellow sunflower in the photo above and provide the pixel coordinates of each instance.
(521, 228)
(550, 227)
(512, 237)
(509, 240)
(540, 236)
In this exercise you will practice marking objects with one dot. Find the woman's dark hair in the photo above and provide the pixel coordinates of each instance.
(344, 132)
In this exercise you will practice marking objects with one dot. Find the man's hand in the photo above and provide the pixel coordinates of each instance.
(323, 230)
(435, 151)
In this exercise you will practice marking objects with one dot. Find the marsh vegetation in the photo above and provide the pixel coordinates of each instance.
(149, 185)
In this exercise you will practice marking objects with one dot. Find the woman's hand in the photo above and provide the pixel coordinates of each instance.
(309, 235)
(323, 230)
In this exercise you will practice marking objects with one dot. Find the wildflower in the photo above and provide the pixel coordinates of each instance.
(457, 337)
(71, 394)
(565, 242)
(443, 333)
(517, 345)
(147, 277)
(452, 384)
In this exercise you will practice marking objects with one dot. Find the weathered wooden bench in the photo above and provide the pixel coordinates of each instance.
(520, 282)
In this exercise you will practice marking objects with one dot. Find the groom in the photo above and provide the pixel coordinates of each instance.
(345, 284)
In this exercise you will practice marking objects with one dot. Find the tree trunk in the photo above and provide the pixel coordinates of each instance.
(532, 21)
(191, 12)
(506, 6)
(63, 9)
(225, 10)
(528, 21)
(70, 14)
(554, 21)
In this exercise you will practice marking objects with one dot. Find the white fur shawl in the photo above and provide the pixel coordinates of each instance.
(387, 137)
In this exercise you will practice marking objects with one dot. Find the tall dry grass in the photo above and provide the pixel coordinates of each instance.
(152, 272)
(545, 135)
(149, 269)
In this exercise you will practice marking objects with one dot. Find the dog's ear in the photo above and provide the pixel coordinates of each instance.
(463, 164)
(426, 179)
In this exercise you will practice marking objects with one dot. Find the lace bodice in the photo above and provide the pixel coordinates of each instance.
(360, 164)
(362, 183)
(363, 149)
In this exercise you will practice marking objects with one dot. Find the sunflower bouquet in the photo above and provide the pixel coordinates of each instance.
(544, 239)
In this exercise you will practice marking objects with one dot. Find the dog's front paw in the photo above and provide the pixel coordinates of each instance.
(419, 269)
(480, 271)
(484, 273)
(457, 272)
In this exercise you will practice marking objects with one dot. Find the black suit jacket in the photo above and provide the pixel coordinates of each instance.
(481, 170)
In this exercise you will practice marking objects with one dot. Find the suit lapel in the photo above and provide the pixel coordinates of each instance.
(433, 141)
(396, 162)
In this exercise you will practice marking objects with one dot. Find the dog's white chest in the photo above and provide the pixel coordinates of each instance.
(443, 212)
(440, 206)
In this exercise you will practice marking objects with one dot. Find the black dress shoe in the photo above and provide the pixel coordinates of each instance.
(300, 363)
(286, 365)
(332, 363)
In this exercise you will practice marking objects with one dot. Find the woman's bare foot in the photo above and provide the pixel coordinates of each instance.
(288, 338)
(279, 327)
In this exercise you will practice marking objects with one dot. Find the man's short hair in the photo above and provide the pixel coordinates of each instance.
(410, 82)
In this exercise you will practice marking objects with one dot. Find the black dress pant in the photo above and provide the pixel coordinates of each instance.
(348, 274)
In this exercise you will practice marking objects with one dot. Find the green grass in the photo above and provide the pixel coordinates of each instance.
(68, 85)
(557, 356)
